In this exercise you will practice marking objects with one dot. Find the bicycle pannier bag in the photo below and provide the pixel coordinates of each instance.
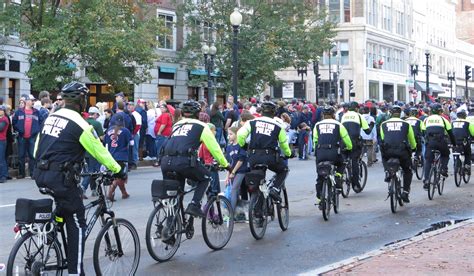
(254, 178)
(29, 211)
(161, 189)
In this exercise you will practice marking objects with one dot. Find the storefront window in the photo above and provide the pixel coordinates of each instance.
(401, 93)
(374, 90)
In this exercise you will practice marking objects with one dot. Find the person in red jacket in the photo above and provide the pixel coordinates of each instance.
(163, 126)
(4, 123)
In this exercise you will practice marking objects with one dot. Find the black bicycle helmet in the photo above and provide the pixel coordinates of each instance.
(191, 107)
(74, 91)
(413, 111)
(344, 105)
(436, 108)
(268, 107)
(461, 114)
(328, 110)
(353, 105)
(396, 109)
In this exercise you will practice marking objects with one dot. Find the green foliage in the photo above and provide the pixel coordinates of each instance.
(272, 37)
(114, 40)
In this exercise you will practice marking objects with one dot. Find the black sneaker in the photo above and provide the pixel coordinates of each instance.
(426, 184)
(275, 194)
(387, 177)
(444, 173)
(405, 197)
(194, 210)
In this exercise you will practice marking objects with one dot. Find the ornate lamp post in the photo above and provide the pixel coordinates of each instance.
(303, 71)
(451, 78)
(235, 21)
(209, 54)
(414, 73)
(427, 54)
(317, 78)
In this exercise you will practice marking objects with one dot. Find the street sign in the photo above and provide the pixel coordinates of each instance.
(288, 90)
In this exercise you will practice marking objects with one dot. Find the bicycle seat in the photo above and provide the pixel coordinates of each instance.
(260, 166)
(326, 163)
(393, 164)
(435, 151)
(46, 191)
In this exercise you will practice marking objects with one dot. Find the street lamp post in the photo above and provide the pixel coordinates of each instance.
(451, 78)
(427, 54)
(209, 54)
(303, 71)
(235, 21)
(330, 73)
(414, 73)
(316, 77)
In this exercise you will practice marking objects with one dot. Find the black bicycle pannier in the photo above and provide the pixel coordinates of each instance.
(254, 178)
(161, 189)
(30, 211)
(324, 168)
(393, 164)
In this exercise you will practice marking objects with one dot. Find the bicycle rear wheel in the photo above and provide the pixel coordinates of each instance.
(28, 257)
(335, 196)
(346, 185)
(163, 248)
(117, 249)
(393, 194)
(218, 222)
(441, 186)
(283, 211)
(433, 178)
(362, 176)
(467, 176)
(458, 173)
(418, 166)
(326, 200)
(257, 215)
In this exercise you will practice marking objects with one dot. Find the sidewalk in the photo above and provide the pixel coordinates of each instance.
(449, 252)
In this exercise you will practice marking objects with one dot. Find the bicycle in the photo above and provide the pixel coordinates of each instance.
(262, 205)
(329, 193)
(435, 180)
(395, 186)
(417, 166)
(460, 173)
(347, 181)
(39, 237)
(167, 222)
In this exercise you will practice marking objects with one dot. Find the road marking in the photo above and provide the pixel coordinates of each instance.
(8, 205)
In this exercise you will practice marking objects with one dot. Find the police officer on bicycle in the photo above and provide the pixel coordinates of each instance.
(267, 138)
(417, 126)
(354, 122)
(463, 131)
(398, 141)
(179, 154)
(59, 152)
(328, 137)
(436, 127)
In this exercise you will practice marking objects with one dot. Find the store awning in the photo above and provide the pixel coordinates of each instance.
(201, 72)
(435, 88)
(170, 70)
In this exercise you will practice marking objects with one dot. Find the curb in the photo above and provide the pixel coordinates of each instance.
(384, 249)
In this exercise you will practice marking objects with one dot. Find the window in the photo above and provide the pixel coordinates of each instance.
(334, 11)
(2, 64)
(374, 90)
(344, 48)
(400, 23)
(14, 66)
(207, 31)
(387, 18)
(401, 93)
(372, 12)
(347, 11)
(167, 41)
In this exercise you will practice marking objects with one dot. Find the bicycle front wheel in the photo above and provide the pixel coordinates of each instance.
(257, 217)
(28, 257)
(441, 186)
(335, 196)
(458, 174)
(467, 176)
(433, 184)
(346, 185)
(283, 211)
(326, 200)
(362, 176)
(163, 237)
(218, 222)
(117, 249)
(393, 195)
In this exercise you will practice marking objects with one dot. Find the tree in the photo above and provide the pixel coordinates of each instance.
(272, 37)
(114, 40)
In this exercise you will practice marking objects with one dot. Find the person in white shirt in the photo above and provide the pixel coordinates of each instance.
(369, 140)
(152, 113)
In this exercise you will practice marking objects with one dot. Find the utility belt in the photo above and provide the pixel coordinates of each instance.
(274, 152)
(437, 137)
(71, 170)
(192, 154)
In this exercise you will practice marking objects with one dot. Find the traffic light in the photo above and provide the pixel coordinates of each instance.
(318, 78)
(468, 72)
(351, 88)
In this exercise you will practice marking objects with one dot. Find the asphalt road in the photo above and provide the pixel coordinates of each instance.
(364, 223)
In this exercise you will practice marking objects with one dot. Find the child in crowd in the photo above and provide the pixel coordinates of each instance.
(117, 140)
(237, 157)
(204, 154)
(303, 138)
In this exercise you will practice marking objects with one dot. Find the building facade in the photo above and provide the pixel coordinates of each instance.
(377, 41)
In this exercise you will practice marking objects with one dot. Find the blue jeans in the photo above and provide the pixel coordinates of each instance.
(92, 166)
(136, 144)
(160, 139)
(26, 146)
(150, 146)
(3, 160)
(219, 135)
(214, 185)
